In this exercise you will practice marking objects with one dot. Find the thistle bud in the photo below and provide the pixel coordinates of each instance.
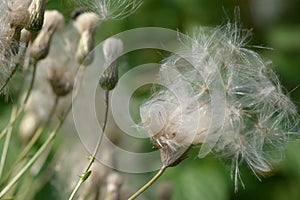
(41, 45)
(36, 10)
(112, 49)
(60, 84)
(86, 24)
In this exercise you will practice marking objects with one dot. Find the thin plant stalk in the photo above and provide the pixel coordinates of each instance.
(35, 137)
(44, 146)
(87, 170)
(7, 142)
(9, 78)
(21, 109)
(148, 184)
(39, 131)
(15, 68)
(31, 161)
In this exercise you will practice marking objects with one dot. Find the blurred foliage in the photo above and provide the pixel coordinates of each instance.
(275, 24)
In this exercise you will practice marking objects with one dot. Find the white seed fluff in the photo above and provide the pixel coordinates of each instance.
(257, 119)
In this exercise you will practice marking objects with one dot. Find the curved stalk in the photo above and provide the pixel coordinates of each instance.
(6, 143)
(147, 185)
(21, 109)
(9, 78)
(87, 170)
(31, 161)
(39, 131)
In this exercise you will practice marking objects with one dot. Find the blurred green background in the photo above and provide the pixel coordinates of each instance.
(275, 24)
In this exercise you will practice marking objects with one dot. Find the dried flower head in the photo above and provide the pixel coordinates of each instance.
(112, 9)
(256, 119)
(41, 45)
(112, 49)
(86, 24)
(36, 10)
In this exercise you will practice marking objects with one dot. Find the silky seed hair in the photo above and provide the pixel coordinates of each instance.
(258, 117)
(112, 9)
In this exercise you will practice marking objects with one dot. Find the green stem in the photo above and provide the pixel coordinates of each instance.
(31, 83)
(87, 171)
(6, 143)
(39, 131)
(147, 185)
(12, 122)
(24, 169)
(9, 78)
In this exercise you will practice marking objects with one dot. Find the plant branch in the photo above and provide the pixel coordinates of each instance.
(148, 184)
(7, 142)
(87, 170)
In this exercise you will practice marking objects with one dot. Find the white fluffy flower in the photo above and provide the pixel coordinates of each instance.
(221, 95)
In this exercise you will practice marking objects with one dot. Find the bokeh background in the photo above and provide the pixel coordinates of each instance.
(275, 24)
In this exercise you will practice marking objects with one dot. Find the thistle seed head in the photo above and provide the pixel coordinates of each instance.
(257, 119)
(86, 21)
(86, 24)
(84, 53)
(41, 45)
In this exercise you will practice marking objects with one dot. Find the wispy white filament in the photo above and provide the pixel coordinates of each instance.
(112, 9)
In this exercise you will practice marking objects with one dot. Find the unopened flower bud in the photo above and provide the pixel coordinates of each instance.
(41, 45)
(36, 10)
(86, 24)
(60, 84)
(112, 49)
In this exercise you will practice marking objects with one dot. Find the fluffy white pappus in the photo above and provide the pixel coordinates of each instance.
(258, 117)
(112, 49)
(112, 9)
(86, 22)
